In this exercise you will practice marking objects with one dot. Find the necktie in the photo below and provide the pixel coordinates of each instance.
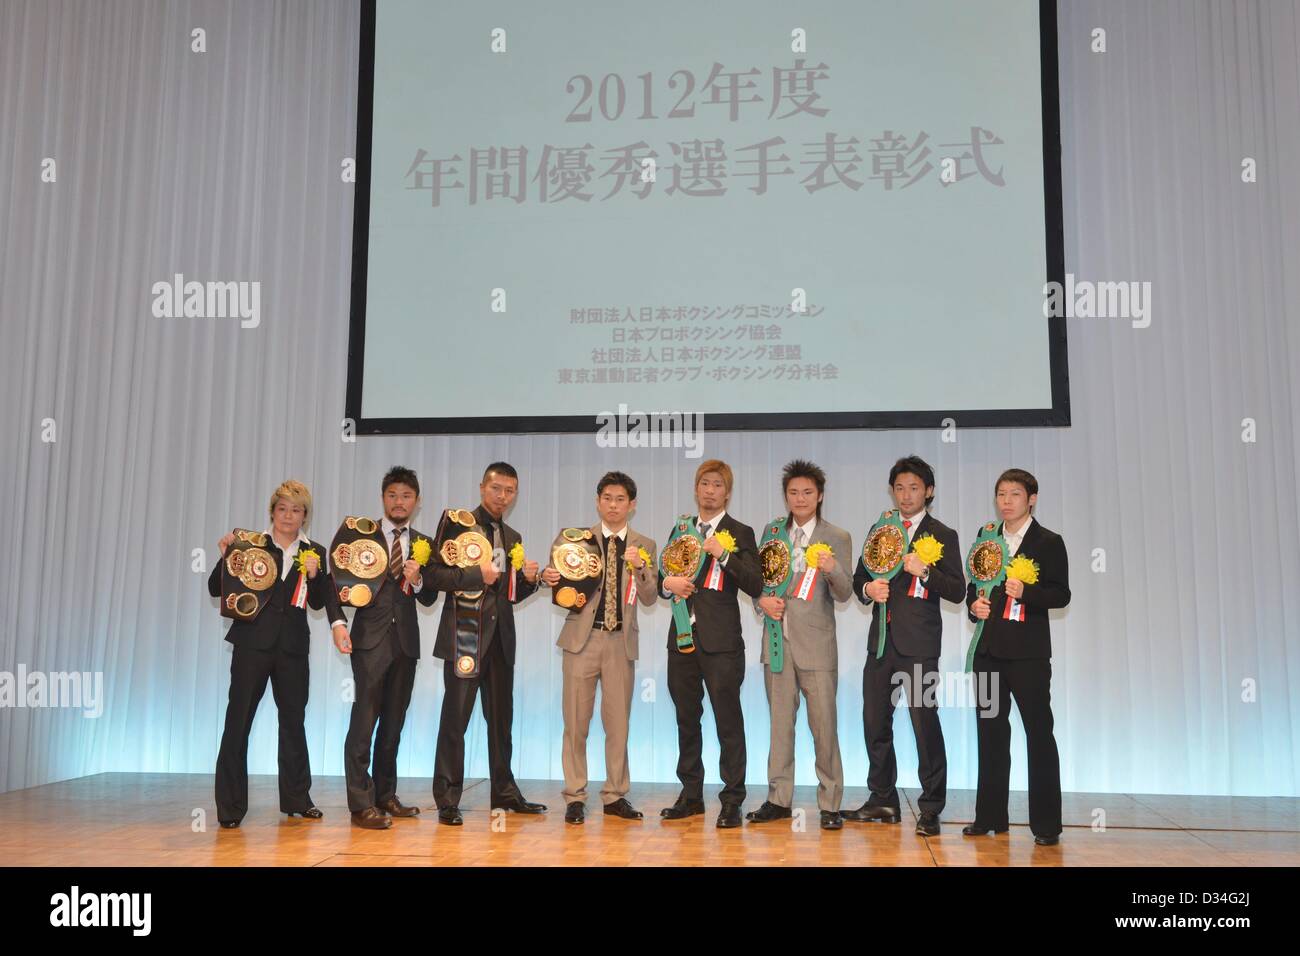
(395, 559)
(611, 583)
(907, 523)
(496, 546)
(704, 529)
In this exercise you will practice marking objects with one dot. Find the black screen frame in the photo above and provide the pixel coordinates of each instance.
(1056, 416)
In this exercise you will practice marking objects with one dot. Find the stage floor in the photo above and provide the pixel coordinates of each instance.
(137, 819)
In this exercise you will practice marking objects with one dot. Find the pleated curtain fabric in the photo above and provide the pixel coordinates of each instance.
(1175, 665)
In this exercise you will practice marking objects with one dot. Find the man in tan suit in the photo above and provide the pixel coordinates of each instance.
(599, 641)
(811, 655)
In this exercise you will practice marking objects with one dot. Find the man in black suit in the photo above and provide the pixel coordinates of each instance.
(1013, 659)
(385, 646)
(496, 660)
(911, 661)
(718, 661)
(274, 646)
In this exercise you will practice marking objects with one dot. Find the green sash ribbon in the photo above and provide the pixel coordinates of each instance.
(685, 527)
(879, 547)
(772, 561)
(987, 564)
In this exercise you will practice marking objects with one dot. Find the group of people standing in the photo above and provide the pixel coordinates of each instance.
(599, 641)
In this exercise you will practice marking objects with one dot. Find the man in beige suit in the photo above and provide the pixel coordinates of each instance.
(599, 641)
(811, 656)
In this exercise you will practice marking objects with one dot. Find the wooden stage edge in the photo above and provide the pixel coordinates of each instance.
(149, 819)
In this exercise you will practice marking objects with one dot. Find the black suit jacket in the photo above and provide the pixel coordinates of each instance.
(392, 607)
(280, 621)
(1032, 637)
(498, 611)
(915, 626)
(717, 613)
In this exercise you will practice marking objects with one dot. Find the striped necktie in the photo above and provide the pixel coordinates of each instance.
(395, 560)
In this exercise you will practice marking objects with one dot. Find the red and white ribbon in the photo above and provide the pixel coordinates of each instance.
(510, 585)
(917, 590)
(300, 590)
(713, 580)
(629, 595)
(1013, 611)
(806, 584)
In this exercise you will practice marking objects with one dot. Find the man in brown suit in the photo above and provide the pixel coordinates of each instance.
(599, 641)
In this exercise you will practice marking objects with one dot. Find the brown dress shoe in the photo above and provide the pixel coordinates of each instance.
(396, 808)
(371, 819)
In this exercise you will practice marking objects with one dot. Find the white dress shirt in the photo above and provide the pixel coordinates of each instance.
(1015, 540)
(290, 553)
(807, 530)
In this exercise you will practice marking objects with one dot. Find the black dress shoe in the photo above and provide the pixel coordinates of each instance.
(311, 813)
(768, 812)
(831, 820)
(229, 824)
(979, 829)
(371, 818)
(450, 816)
(869, 812)
(1047, 840)
(682, 809)
(621, 808)
(729, 817)
(396, 808)
(575, 812)
(519, 805)
(928, 824)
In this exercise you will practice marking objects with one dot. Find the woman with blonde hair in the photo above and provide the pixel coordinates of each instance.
(272, 645)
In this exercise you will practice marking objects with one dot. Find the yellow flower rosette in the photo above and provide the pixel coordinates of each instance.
(813, 555)
(727, 540)
(1023, 569)
(517, 555)
(421, 551)
(928, 548)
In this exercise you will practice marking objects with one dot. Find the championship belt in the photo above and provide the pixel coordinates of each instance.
(882, 556)
(684, 556)
(358, 560)
(248, 572)
(987, 564)
(578, 559)
(774, 561)
(461, 543)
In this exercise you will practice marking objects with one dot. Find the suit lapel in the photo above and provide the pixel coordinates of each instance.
(922, 527)
(1030, 540)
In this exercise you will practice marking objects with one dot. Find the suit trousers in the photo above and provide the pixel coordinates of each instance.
(913, 681)
(603, 660)
(249, 671)
(496, 678)
(383, 678)
(818, 689)
(1029, 682)
(722, 674)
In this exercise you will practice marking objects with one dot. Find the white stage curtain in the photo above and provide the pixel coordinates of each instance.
(1173, 668)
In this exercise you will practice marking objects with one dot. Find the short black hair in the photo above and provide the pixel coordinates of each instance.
(617, 478)
(913, 465)
(401, 475)
(1020, 477)
(501, 468)
(800, 468)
